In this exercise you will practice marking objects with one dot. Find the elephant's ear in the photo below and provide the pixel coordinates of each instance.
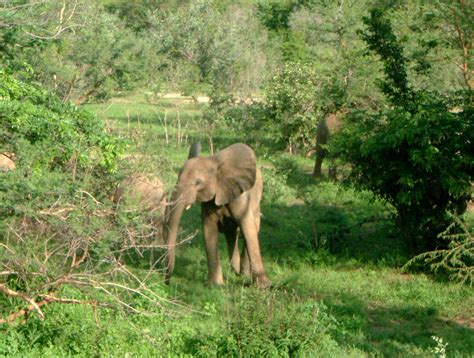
(236, 172)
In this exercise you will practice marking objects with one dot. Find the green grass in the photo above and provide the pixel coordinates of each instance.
(333, 254)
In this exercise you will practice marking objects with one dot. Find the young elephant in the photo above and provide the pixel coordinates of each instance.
(229, 187)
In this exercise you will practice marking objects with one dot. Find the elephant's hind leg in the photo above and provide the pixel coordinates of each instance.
(250, 232)
(245, 260)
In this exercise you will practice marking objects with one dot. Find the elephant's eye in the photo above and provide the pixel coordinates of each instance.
(197, 181)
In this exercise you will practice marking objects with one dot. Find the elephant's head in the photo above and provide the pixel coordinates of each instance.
(220, 178)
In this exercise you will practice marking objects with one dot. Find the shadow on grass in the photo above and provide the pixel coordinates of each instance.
(335, 234)
(395, 330)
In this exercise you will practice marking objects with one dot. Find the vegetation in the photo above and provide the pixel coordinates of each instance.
(82, 274)
(426, 144)
(322, 245)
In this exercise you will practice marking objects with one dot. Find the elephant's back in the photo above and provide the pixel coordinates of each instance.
(6, 164)
(147, 190)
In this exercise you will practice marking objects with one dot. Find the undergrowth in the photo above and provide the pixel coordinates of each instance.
(333, 255)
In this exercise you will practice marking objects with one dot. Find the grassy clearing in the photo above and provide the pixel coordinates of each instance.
(333, 255)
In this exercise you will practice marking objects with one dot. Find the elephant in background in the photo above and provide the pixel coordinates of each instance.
(229, 187)
(327, 126)
(141, 188)
(145, 193)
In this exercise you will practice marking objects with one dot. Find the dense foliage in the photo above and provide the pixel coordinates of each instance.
(292, 104)
(416, 155)
(47, 134)
(55, 233)
(59, 49)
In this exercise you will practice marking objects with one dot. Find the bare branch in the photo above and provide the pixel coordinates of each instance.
(34, 306)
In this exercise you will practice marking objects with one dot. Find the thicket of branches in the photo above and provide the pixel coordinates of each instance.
(62, 241)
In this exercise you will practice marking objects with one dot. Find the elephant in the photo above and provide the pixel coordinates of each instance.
(229, 187)
(327, 126)
(148, 191)
(143, 192)
(6, 163)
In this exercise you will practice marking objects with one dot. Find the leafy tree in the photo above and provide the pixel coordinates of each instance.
(205, 43)
(291, 100)
(118, 61)
(437, 38)
(417, 153)
(135, 14)
(275, 16)
(78, 51)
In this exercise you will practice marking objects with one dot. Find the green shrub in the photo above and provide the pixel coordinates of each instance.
(291, 102)
(57, 224)
(457, 260)
(416, 155)
(47, 134)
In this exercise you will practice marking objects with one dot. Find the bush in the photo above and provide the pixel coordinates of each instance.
(47, 134)
(457, 260)
(271, 324)
(415, 155)
(291, 102)
(57, 234)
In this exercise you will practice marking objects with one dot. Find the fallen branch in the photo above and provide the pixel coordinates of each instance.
(47, 299)
(33, 305)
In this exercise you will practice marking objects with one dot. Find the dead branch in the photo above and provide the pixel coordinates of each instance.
(7, 248)
(47, 299)
(62, 25)
(34, 306)
(62, 258)
(97, 202)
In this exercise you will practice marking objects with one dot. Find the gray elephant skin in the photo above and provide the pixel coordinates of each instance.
(229, 187)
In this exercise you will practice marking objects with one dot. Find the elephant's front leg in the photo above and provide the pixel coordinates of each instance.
(250, 230)
(211, 239)
(230, 229)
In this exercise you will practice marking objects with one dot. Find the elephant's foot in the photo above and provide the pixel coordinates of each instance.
(215, 280)
(262, 281)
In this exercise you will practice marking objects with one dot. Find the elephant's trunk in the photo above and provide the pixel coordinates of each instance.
(173, 217)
